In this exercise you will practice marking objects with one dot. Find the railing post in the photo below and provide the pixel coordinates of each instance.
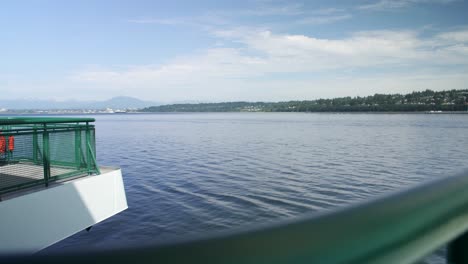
(457, 250)
(35, 145)
(46, 155)
(88, 148)
(78, 148)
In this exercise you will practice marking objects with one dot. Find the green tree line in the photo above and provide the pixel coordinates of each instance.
(428, 100)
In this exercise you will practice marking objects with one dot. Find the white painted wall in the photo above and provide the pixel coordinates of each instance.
(34, 221)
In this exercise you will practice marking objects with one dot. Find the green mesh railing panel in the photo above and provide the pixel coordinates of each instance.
(44, 152)
(21, 147)
(58, 154)
(15, 168)
(84, 153)
(39, 149)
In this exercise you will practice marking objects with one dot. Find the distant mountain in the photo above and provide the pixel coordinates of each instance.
(120, 102)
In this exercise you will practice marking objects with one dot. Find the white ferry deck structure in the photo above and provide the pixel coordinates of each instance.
(50, 184)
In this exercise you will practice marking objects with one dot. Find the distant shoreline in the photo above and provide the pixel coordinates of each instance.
(422, 102)
(231, 112)
(427, 101)
(322, 112)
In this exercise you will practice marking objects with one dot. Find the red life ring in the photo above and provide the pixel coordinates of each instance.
(11, 143)
(2, 144)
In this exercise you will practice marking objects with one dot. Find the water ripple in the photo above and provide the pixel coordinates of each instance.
(191, 174)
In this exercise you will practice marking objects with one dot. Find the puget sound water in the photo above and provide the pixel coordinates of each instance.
(193, 174)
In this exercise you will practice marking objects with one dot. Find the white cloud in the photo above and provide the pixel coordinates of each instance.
(205, 21)
(274, 10)
(295, 12)
(320, 20)
(250, 72)
(157, 21)
(460, 36)
(395, 4)
(328, 11)
(220, 17)
(362, 49)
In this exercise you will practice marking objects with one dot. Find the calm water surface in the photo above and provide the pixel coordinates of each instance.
(192, 174)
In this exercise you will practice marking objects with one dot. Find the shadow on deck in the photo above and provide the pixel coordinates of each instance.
(20, 173)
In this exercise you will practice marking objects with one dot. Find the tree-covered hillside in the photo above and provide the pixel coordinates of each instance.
(452, 100)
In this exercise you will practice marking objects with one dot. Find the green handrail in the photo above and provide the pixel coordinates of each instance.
(40, 120)
(53, 144)
(400, 228)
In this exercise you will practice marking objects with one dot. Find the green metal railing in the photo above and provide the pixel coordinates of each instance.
(400, 228)
(35, 151)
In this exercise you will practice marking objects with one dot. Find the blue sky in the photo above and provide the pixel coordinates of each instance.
(232, 50)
